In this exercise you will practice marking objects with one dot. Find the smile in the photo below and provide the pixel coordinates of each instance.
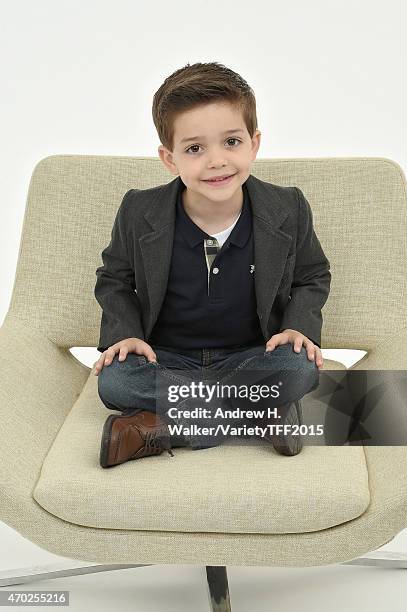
(218, 183)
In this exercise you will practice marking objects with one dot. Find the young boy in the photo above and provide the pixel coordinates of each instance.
(206, 270)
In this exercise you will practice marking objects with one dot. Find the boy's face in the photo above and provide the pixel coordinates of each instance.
(211, 151)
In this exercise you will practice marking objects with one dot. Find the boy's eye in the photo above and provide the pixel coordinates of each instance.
(194, 146)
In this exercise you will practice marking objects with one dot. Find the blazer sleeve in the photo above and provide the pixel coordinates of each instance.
(312, 279)
(115, 288)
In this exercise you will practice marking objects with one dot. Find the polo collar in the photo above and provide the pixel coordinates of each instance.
(194, 235)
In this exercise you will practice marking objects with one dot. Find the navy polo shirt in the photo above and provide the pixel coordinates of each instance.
(210, 300)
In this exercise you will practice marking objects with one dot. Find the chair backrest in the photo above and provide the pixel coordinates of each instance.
(360, 217)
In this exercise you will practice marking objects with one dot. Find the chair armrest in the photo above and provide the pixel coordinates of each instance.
(39, 383)
(387, 469)
(389, 356)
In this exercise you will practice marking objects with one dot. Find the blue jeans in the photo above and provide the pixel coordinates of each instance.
(131, 385)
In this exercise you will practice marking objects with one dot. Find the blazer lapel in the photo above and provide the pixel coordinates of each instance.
(156, 247)
(271, 245)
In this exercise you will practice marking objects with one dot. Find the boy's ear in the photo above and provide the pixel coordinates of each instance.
(164, 155)
(256, 143)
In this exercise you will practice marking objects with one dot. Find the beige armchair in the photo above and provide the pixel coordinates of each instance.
(219, 506)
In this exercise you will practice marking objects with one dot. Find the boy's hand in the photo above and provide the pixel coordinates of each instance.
(297, 339)
(129, 345)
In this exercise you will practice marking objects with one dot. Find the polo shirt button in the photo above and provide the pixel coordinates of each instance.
(215, 270)
(209, 241)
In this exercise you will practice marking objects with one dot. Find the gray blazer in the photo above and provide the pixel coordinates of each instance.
(292, 277)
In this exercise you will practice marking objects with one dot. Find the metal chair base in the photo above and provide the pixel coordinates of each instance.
(217, 580)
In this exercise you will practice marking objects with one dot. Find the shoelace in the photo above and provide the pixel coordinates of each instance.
(159, 438)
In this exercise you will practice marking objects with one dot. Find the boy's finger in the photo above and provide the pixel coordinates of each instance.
(98, 367)
(122, 354)
(109, 357)
(151, 356)
(298, 342)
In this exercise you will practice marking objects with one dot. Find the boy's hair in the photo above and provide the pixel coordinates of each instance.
(193, 86)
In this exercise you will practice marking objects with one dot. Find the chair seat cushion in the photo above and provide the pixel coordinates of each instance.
(238, 487)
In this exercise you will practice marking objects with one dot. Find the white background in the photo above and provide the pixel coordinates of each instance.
(78, 77)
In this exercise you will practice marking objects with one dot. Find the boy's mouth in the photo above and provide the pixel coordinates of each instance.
(220, 181)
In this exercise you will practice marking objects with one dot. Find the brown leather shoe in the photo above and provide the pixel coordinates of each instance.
(285, 444)
(134, 436)
(288, 444)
